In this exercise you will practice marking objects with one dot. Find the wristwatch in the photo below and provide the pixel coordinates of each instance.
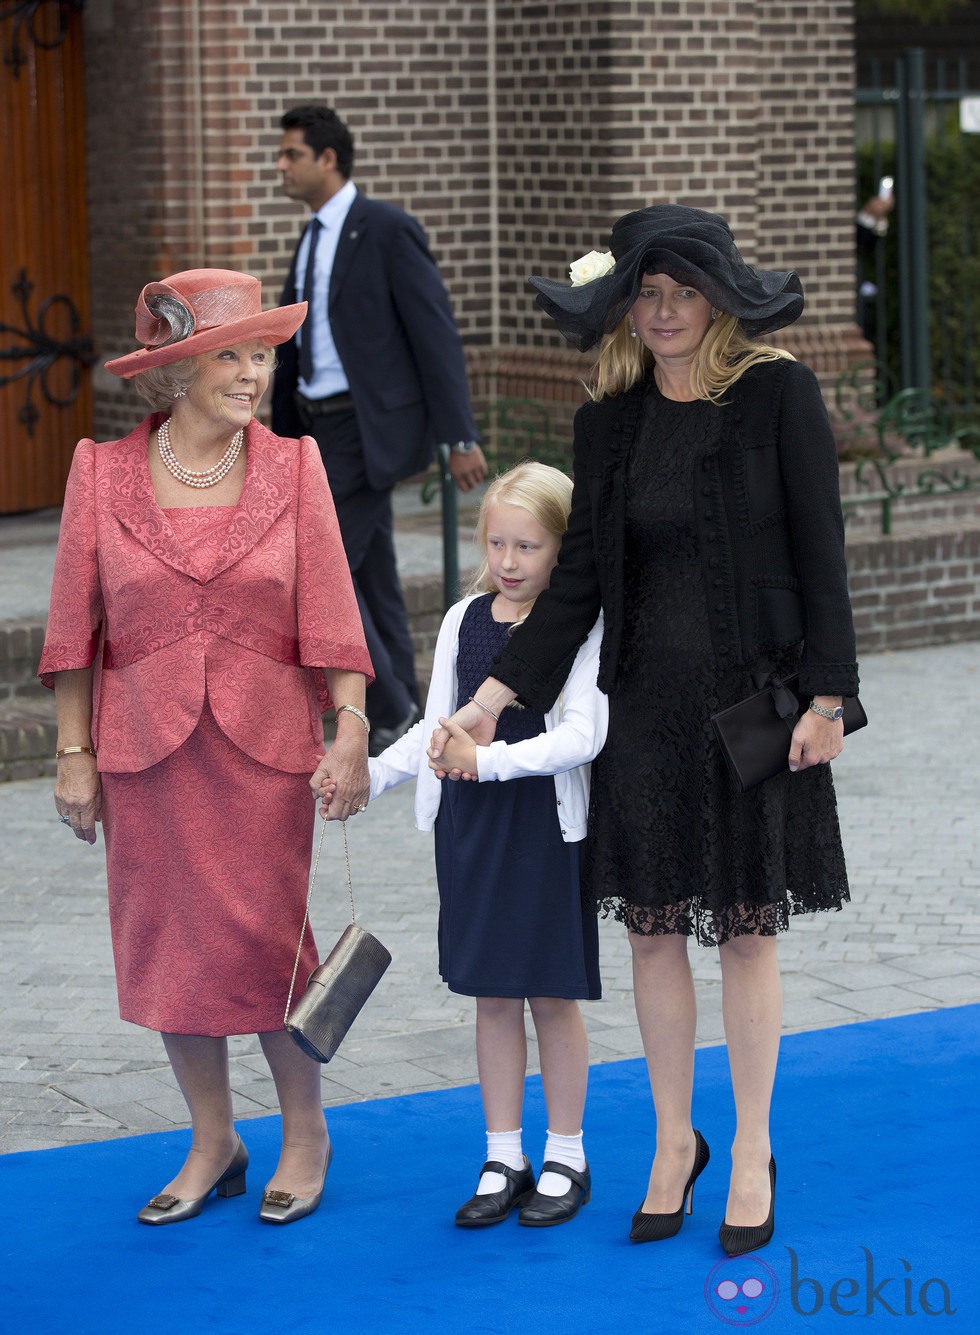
(463, 447)
(832, 714)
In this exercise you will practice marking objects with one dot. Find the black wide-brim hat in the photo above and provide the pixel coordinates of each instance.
(691, 246)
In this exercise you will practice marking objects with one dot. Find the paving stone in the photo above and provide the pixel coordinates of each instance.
(855, 977)
(876, 1002)
(952, 990)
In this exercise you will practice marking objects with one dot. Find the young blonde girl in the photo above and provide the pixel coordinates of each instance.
(512, 927)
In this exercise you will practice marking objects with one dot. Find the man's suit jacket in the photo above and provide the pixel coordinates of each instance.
(395, 334)
(252, 637)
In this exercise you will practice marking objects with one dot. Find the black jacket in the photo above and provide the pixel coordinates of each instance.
(771, 537)
(393, 326)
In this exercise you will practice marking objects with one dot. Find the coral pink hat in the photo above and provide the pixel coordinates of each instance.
(199, 310)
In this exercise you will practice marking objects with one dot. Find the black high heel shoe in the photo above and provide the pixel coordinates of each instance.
(737, 1239)
(656, 1227)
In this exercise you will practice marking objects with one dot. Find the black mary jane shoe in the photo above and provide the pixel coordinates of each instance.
(738, 1239)
(543, 1211)
(495, 1206)
(657, 1227)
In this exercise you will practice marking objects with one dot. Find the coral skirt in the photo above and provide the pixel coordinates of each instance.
(208, 862)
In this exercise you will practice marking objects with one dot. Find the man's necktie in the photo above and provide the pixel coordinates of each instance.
(306, 330)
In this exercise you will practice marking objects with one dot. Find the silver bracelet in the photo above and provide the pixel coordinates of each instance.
(353, 709)
(486, 709)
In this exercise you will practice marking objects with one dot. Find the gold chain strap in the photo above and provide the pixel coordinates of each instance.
(309, 898)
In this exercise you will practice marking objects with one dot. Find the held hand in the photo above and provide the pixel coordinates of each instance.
(458, 755)
(78, 795)
(341, 780)
(468, 469)
(474, 721)
(816, 741)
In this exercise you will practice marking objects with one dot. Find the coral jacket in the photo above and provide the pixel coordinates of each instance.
(252, 638)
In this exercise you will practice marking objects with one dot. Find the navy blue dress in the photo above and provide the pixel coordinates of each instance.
(512, 921)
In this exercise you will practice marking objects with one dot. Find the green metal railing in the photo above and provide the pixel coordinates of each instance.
(911, 425)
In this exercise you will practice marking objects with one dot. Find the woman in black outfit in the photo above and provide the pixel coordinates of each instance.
(706, 525)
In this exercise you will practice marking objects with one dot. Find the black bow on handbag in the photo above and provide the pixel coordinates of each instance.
(755, 734)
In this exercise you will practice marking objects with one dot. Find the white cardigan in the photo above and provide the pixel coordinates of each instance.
(575, 730)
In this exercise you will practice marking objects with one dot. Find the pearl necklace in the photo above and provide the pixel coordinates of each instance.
(210, 477)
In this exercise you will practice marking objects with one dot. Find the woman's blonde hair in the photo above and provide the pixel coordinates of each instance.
(723, 355)
(544, 492)
(160, 385)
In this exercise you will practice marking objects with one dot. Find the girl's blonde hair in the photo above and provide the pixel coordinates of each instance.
(723, 355)
(544, 492)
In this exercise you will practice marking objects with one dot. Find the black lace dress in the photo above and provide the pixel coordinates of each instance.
(673, 846)
(512, 920)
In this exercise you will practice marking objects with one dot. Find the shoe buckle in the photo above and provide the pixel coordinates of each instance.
(164, 1201)
(280, 1198)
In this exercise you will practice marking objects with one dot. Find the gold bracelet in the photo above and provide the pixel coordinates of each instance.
(353, 709)
(73, 751)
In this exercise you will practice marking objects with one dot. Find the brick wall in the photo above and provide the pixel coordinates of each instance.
(184, 116)
(516, 133)
(915, 588)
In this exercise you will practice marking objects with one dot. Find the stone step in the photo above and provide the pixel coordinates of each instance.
(27, 720)
(28, 734)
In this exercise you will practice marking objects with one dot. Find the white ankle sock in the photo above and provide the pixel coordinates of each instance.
(504, 1147)
(561, 1149)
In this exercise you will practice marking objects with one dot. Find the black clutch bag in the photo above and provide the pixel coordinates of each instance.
(755, 734)
(338, 988)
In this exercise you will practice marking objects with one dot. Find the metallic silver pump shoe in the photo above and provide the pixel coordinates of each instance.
(168, 1209)
(282, 1207)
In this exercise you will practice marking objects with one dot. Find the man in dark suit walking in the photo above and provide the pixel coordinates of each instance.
(376, 374)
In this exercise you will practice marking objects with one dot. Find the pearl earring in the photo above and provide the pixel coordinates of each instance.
(714, 313)
(632, 328)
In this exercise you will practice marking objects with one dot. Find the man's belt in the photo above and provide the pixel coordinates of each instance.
(333, 403)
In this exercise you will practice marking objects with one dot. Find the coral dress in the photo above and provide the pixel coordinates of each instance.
(208, 629)
(208, 854)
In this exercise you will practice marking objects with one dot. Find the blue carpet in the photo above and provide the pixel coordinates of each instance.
(876, 1127)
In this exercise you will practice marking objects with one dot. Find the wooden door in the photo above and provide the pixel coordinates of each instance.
(45, 349)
